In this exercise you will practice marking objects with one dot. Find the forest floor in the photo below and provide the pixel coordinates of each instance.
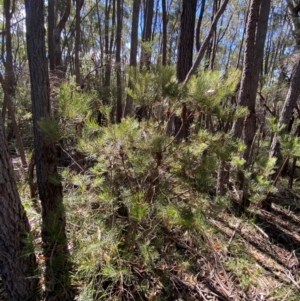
(255, 259)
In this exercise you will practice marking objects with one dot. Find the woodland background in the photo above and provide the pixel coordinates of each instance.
(148, 150)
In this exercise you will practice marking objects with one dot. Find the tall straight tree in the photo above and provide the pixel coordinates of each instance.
(55, 249)
(9, 82)
(133, 49)
(164, 32)
(294, 89)
(245, 128)
(147, 33)
(54, 36)
(185, 57)
(118, 59)
(79, 4)
(186, 38)
(17, 265)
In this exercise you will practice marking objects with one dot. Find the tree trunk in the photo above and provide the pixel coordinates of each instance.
(287, 109)
(51, 27)
(147, 34)
(186, 38)
(253, 57)
(185, 59)
(133, 50)
(54, 38)
(294, 89)
(164, 32)
(55, 249)
(79, 4)
(17, 258)
(199, 24)
(9, 83)
(118, 59)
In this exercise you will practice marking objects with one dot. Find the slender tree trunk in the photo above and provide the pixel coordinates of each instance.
(294, 89)
(133, 50)
(199, 24)
(51, 27)
(245, 129)
(9, 83)
(186, 38)
(17, 259)
(54, 38)
(185, 59)
(79, 4)
(118, 59)
(147, 34)
(164, 32)
(55, 249)
(287, 109)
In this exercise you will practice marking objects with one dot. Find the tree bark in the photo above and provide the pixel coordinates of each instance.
(147, 34)
(79, 4)
(54, 38)
(294, 89)
(198, 45)
(186, 38)
(55, 249)
(17, 259)
(245, 128)
(287, 109)
(118, 59)
(164, 32)
(9, 82)
(133, 50)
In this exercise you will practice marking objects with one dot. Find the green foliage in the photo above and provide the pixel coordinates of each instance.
(209, 88)
(50, 128)
(146, 194)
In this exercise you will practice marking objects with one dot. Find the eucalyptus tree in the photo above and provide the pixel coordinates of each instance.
(133, 50)
(55, 248)
(78, 7)
(147, 33)
(54, 35)
(17, 259)
(245, 128)
(118, 59)
(294, 89)
(185, 57)
(9, 81)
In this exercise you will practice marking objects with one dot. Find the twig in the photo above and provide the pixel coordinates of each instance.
(71, 157)
(289, 275)
(261, 231)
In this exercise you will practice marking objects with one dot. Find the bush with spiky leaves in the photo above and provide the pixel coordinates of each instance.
(141, 210)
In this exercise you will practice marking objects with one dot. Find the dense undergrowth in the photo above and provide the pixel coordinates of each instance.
(143, 217)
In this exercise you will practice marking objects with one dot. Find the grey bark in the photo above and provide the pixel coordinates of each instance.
(287, 109)
(294, 89)
(9, 82)
(133, 50)
(118, 59)
(186, 38)
(79, 4)
(17, 258)
(147, 33)
(253, 58)
(55, 250)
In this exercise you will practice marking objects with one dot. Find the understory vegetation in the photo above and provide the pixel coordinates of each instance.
(144, 219)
